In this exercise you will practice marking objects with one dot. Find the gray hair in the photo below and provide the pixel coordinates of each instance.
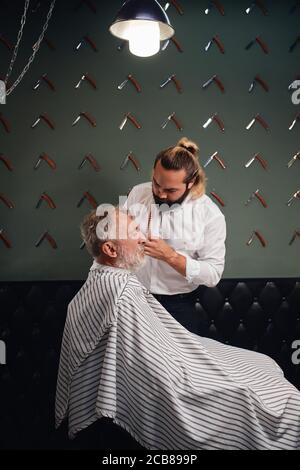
(93, 233)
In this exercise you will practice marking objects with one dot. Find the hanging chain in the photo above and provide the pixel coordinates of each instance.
(35, 49)
(20, 34)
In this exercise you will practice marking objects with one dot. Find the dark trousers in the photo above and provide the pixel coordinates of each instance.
(186, 309)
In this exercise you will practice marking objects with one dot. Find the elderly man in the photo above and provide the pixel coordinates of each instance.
(124, 357)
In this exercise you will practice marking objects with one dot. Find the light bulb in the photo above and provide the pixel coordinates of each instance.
(144, 38)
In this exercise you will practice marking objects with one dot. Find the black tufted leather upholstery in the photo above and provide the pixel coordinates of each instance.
(263, 315)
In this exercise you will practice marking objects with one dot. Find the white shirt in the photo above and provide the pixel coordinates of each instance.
(196, 229)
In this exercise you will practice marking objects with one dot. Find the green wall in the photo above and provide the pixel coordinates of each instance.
(67, 145)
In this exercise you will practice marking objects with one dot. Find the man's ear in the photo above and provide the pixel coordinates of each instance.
(191, 184)
(109, 249)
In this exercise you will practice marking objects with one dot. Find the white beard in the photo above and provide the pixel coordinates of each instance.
(131, 262)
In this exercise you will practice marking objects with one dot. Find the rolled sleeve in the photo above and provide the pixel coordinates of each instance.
(208, 269)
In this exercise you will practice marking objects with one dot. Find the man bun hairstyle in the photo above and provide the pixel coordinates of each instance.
(188, 145)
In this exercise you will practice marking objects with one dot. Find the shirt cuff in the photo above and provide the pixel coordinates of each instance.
(192, 269)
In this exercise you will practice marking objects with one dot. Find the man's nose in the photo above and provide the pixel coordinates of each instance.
(162, 194)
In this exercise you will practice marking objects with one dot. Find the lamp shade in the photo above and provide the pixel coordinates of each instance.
(134, 12)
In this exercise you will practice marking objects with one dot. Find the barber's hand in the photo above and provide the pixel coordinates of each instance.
(158, 248)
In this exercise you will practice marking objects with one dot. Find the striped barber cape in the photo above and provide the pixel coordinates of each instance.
(123, 356)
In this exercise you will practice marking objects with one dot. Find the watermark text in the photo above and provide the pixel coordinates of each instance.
(296, 94)
(2, 353)
(296, 354)
(2, 92)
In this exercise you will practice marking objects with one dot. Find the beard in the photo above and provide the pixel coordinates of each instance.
(167, 202)
(130, 261)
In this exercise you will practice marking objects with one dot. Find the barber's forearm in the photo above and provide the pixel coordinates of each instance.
(177, 262)
(196, 271)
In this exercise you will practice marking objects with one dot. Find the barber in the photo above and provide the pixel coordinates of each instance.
(185, 231)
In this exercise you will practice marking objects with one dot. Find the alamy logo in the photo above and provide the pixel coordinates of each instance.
(296, 94)
(2, 353)
(296, 354)
(2, 92)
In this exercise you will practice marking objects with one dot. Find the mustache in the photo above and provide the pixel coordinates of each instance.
(167, 202)
(160, 201)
